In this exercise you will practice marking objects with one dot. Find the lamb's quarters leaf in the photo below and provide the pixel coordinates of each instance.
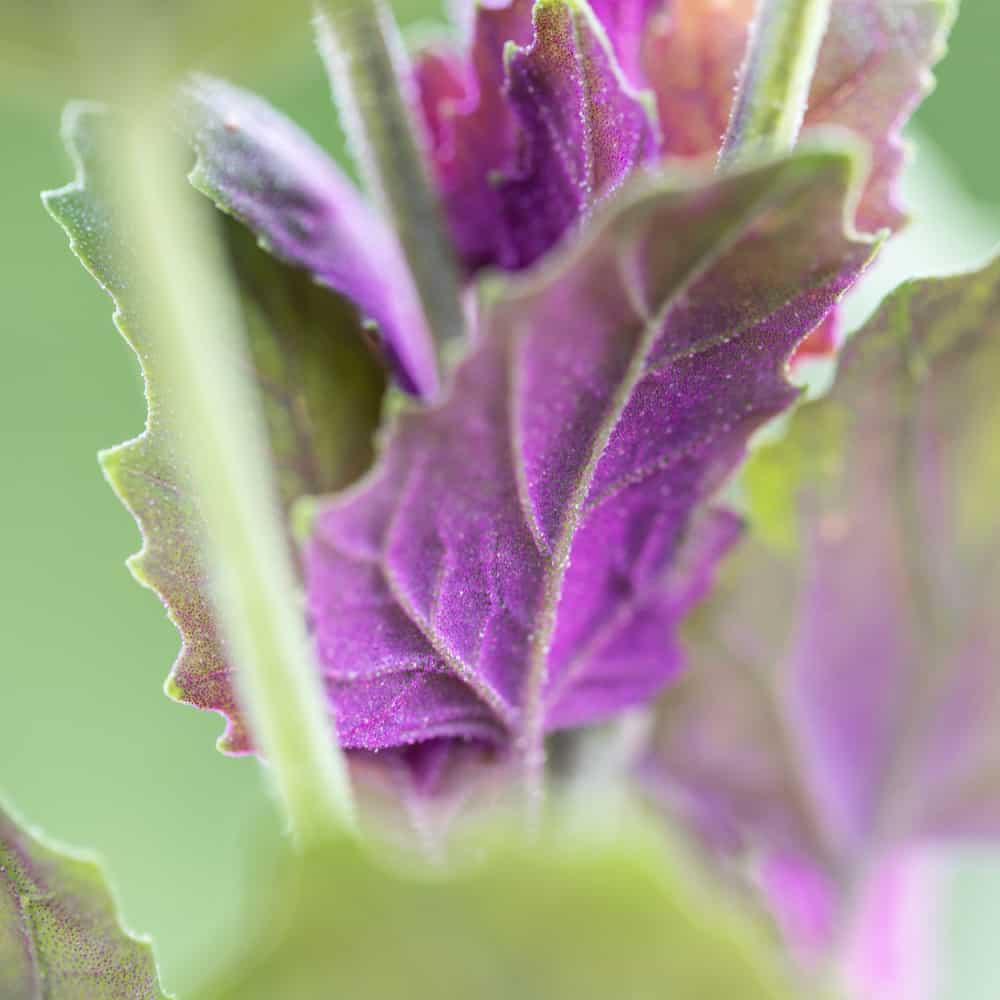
(552, 921)
(843, 702)
(520, 556)
(321, 386)
(262, 169)
(874, 68)
(60, 934)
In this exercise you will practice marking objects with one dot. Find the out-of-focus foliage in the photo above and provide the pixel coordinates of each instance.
(557, 921)
(842, 704)
(117, 46)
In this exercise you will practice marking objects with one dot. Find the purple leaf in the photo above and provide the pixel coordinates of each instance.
(474, 132)
(541, 134)
(583, 128)
(259, 167)
(521, 555)
(627, 22)
(321, 387)
(872, 72)
(842, 705)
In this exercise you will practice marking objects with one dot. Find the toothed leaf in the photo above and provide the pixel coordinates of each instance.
(320, 384)
(60, 934)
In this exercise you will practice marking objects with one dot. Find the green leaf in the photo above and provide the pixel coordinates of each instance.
(322, 388)
(558, 919)
(60, 935)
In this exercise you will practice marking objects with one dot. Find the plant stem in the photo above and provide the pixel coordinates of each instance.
(369, 73)
(196, 320)
(773, 90)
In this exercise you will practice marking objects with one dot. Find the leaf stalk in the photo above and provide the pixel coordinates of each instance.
(195, 318)
(773, 89)
(370, 76)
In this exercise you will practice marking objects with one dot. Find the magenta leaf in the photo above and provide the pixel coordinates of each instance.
(520, 557)
(842, 704)
(259, 167)
(531, 133)
(874, 68)
(583, 129)
(60, 934)
(321, 387)
(627, 22)
(474, 133)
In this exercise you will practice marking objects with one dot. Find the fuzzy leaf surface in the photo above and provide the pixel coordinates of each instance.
(520, 556)
(538, 127)
(320, 384)
(842, 703)
(60, 934)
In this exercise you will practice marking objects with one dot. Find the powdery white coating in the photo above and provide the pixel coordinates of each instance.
(519, 559)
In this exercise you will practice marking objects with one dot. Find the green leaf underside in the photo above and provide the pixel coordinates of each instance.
(321, 387)
(60, 935)
(551, 921)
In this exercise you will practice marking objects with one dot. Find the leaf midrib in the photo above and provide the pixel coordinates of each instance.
(533, 708)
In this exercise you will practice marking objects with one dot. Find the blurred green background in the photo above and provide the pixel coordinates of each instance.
(90, 748)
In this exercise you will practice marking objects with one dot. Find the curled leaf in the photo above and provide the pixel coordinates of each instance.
(533, 131)
(259, 167)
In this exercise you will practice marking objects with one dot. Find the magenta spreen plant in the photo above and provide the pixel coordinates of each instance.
(502, 393)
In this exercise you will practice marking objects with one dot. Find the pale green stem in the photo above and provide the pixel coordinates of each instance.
(370, 75)
(773, 90)
(197, 324)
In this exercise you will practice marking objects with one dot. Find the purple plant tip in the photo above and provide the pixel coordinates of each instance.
(524, 550)
(523, 147)
(531, 133)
